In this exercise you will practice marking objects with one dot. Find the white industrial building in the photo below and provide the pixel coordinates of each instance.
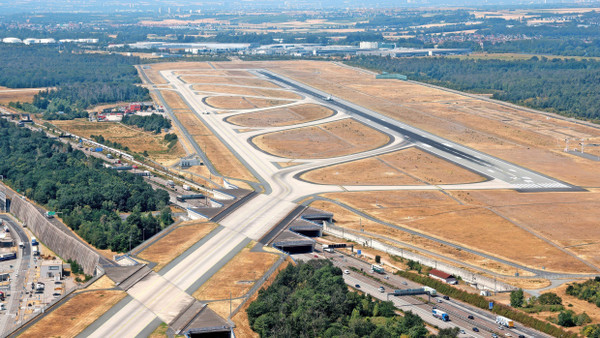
(11, 40)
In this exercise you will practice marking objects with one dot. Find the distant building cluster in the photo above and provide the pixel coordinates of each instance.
(138, 108)
(46, 41)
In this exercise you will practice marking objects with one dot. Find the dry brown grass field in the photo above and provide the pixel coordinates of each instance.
(410, 166)
(22, 94)
(474, 226)
(282, 116)
(235, 279)
(224, 161)
(176, 242)
(242, 326)
(332, 139)
(241, 102)
(76, 314)
(174, 100)
(136, 139)
(228, 80)
(219, 73)
(212, 88)
(349, 220)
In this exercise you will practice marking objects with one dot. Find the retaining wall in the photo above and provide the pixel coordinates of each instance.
(481, 282)
(54, 238)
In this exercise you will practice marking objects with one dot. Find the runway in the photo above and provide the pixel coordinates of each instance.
(283, 189)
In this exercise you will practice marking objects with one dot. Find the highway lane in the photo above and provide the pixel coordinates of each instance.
(456, 309)
(520, 178)
(21, 267)
(408, 304)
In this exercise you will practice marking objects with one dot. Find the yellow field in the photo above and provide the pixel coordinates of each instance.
(176, 242)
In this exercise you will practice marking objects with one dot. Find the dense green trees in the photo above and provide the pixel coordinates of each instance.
(79, 80)
(155, 122)
(588, 290)
(565, 86)
(516, 298)
(312, 300)
(88, 196)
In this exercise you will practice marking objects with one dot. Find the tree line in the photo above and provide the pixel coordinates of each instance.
(155, 123)
(78, 80)
(89, 197)
(565, 86)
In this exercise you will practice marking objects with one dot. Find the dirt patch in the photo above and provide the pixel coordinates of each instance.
(223, 160)
(133, 138)
(21, 94)
(332, 139)
(76, 314)
(241, 102)
(282, 116)
(410, 166)
(247, 91)
(176, 242)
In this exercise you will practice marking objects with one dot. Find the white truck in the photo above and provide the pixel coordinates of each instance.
(432, 291)
(505, 321)
(186, 187)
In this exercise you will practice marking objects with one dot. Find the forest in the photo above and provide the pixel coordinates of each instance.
(88, 197)
(565, 86)
(312, 300)
(76, 80)
(155, 123)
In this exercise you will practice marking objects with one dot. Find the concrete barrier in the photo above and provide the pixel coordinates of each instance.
(64, 245)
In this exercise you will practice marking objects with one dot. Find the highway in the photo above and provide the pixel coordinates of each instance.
(458, 311)
(21, 269)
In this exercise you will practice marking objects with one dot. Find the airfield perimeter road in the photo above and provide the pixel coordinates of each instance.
(256, 217)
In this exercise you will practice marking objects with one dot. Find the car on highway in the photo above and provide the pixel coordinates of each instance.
(381, 289)
(494, 335)
(446, 298)
(475, 329)
(404, 283)
(521, 336)
(439, 300)
(471, 317)
(462, 331)
(508, 334)
(500, 327)
(357, 286)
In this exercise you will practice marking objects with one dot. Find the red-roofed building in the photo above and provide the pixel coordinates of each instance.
(442, 276)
